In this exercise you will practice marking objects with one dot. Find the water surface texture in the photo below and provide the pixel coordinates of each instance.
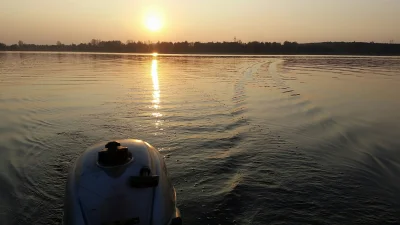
(247, 140)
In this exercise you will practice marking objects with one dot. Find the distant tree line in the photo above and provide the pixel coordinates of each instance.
(236, 47)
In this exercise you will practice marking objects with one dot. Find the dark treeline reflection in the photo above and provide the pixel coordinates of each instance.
(359, 48)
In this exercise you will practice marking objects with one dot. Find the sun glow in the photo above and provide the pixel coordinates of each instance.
(153, 23)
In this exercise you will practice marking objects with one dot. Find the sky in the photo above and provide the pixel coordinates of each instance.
(77, 21)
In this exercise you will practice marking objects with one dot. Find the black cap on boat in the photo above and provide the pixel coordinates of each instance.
(114, 155)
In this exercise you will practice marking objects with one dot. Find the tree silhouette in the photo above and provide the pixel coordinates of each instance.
(3, 47)
(234, 47)
(95, 42)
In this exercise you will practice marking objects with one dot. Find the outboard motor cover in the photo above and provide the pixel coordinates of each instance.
(120, 182)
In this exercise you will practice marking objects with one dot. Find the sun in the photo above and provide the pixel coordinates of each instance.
(153, 23)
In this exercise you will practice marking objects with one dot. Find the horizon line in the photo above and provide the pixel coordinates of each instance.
(226, 41)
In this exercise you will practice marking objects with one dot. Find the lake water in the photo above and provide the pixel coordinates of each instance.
(247, 139)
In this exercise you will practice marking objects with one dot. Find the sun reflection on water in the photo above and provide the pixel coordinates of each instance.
(156, 91)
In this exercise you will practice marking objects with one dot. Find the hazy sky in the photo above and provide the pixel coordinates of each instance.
(47, 21)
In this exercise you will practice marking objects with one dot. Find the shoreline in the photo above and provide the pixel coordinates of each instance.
(213, 54)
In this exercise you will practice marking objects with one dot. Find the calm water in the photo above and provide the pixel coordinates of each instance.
(248, 140)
